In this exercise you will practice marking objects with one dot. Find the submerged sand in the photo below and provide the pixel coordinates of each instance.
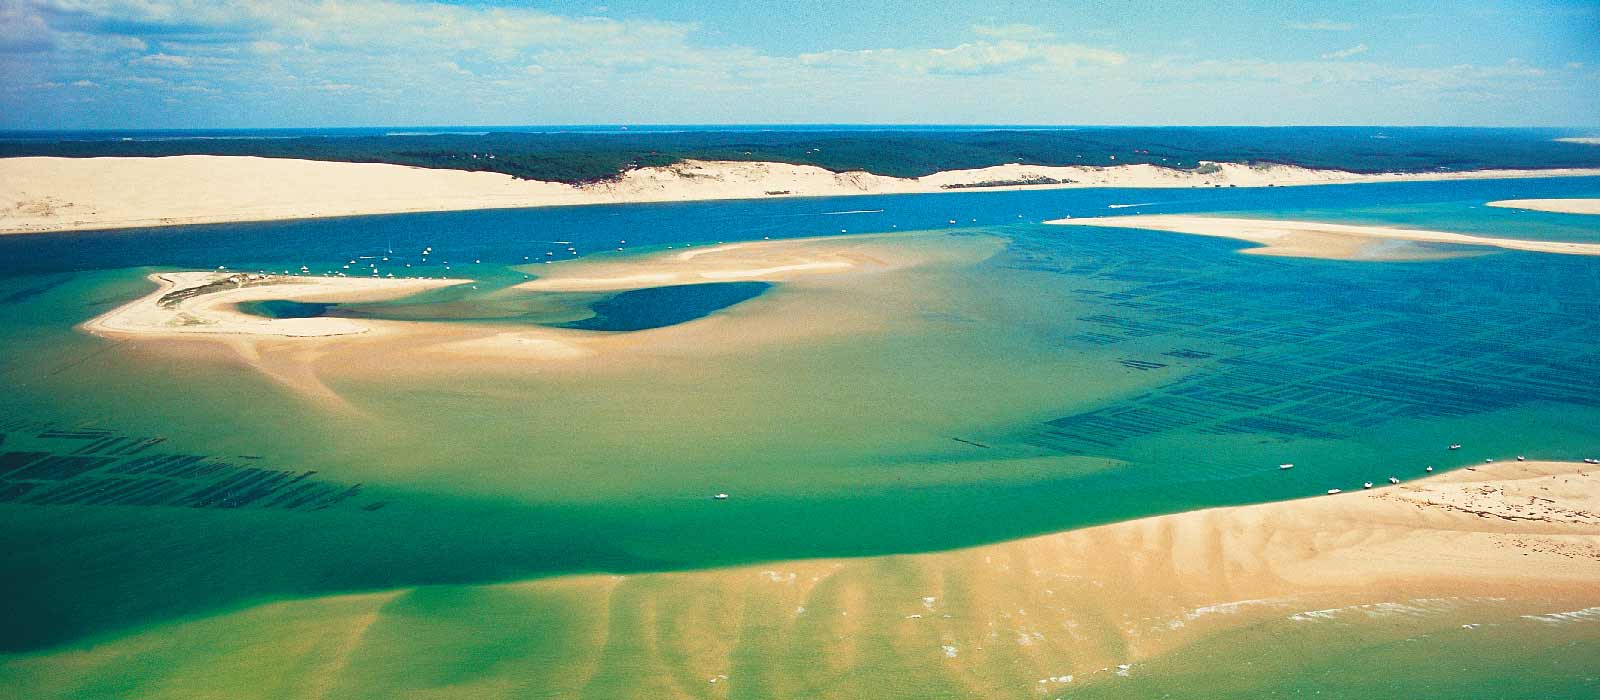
(1559, 206)
(1312, 239)
(827, 287)
(1512, 544)
(39, 194)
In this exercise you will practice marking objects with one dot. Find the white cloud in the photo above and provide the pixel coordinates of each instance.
(1346, 53)
(974, 58)
(420, 61)
(163, 60)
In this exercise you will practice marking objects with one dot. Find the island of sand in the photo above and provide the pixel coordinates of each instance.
(207, 304)
(1558, 206)
(849, 272)
(1507, 548)
(40, 194)
(1312, 239)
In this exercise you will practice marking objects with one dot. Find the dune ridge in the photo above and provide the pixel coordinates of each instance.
(44, 194)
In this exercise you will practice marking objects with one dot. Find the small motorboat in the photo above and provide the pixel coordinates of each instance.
(1429, 469)
(1366, 485)
(1332, 491)
(1591, 460)
(720, 497)
(1286, 465)
(1393, 480)
(1456, 446)
(1521, 458)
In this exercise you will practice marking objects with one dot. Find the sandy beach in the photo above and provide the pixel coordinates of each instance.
(1559, 206)
(1506, 544)
(215, 313)
(1311, 239)
(41, 194)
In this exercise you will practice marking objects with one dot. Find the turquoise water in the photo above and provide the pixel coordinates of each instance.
(1103, 374)
(633, 310)
(283, 308)
(658, 307)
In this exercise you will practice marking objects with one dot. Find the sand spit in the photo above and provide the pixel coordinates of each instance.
(40, 194)
(1508, 544)
(1311, 239)
(205, 303)
(829, 286)
(762, 261)
(1559, 206)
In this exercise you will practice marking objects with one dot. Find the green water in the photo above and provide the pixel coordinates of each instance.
(1062, 378)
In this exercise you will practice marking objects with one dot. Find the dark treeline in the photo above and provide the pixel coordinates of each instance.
(589, 156)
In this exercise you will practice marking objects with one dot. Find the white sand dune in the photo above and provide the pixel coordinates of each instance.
(40, 194)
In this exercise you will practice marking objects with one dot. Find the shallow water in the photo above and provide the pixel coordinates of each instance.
(1079, 376)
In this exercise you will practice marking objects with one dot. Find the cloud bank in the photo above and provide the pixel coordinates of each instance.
(185, 63)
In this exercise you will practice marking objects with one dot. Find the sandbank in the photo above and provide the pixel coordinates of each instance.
(829, 287)
(784, 260)
(167, 313)
(1514, 545)
(1311, 239)
(1559, 206)
(42, 194)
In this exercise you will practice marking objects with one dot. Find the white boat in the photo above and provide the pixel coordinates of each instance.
(1429, 469)
(1286, 465)
(720, 497)
(1366, 485)
(1332, 491)
(1591, 460)
(1456, 446)
(1393, 480)
(1521, 458)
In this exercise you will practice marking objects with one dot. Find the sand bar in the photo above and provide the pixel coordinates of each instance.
(211, 309)
(830, 287)
(1512, 543)
(784, 260)
(1312, 239)
(41, 194)
(1559, 206)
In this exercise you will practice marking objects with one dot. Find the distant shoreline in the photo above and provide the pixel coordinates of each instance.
(55, 194)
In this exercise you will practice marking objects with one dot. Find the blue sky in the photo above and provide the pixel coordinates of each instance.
(192, 64)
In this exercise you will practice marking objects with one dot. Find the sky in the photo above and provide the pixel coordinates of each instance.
(173, 64)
